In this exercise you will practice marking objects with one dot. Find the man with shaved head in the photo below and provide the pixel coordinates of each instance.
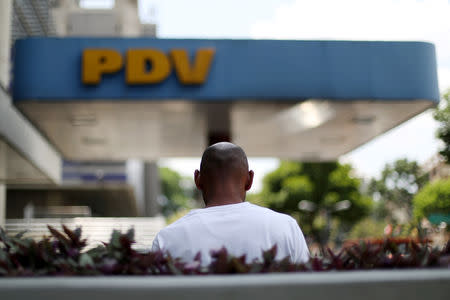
(227, 220)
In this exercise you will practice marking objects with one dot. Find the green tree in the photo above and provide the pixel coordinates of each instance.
(367, 227)
(176, 192)
(322, 185)
(442, 115)
(434, 198)
(398, 184)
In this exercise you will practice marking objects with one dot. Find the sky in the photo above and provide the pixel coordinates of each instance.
(425, 20)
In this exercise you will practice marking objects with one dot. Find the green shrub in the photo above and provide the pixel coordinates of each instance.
(434, 198)
(63, 254)
(367, 227)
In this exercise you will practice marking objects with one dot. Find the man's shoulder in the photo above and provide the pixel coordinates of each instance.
(178, 223)
(170, 233)
(264, 211)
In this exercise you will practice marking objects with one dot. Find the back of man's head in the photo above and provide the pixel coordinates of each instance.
(224, 171)
(223, 160)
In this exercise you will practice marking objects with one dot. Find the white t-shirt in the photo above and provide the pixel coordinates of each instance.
(242, 228)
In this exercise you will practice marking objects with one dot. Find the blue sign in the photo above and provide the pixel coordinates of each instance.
(51, 69)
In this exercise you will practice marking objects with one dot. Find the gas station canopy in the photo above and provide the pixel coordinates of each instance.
(120, 98)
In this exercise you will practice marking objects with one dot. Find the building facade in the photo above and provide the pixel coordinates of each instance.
(104, 93)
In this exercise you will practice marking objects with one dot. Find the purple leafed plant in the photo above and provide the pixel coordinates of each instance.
(63, 254)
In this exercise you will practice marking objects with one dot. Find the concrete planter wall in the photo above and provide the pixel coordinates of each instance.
(367, 285)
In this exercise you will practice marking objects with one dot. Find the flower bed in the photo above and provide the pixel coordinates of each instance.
(62, 254)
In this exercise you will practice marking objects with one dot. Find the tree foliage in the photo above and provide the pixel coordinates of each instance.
(398, 184)
(367, 227)
(442, 115)
(434, 198)
(323, 184)
(175, 194)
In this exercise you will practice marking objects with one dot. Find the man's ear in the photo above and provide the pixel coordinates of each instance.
(249, 182)
(197, 179)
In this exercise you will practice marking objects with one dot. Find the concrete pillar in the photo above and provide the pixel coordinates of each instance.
(135, 178)
(219, 123)
(3, 174)
(152, 189)
(2, 204)
(127, 11)
(5, 42)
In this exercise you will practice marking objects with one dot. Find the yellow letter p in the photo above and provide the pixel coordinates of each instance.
(96, 62)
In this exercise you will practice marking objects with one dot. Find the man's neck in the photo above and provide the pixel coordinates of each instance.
(223, 194)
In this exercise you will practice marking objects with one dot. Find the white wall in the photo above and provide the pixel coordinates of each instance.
(121, 20)
(24, 138)
(16, 133)
(5, 41)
